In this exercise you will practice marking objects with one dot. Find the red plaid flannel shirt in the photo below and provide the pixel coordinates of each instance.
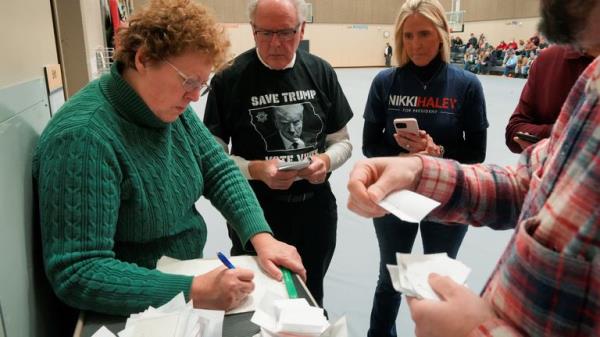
(547, 283)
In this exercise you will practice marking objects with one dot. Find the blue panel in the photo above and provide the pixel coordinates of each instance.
(24, 112)
(18, 98)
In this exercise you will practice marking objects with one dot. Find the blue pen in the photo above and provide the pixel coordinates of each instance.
(225, 260)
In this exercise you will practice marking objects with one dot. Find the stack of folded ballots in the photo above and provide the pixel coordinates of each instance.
(278, 316)
(174, 319)
(410, 276)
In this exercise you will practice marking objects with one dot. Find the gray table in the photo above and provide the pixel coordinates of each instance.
(236, 325)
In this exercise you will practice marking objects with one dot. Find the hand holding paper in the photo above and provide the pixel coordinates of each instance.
(411, 275)
(262, 281)
(408, 206)
(373, 179)
(457, 314)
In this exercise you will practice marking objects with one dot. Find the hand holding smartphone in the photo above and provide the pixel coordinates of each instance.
(527, 137)
(406, 125)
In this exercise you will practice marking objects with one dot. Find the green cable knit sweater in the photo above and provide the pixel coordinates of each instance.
(117, 188)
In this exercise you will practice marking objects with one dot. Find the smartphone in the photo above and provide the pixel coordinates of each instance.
(527, 137)
(293, 165)
(406, 124)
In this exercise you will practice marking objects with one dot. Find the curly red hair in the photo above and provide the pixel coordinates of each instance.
(167, 28)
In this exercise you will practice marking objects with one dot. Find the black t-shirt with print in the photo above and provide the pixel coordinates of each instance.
(246, 97)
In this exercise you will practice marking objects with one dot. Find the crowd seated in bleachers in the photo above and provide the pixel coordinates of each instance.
(512, 59)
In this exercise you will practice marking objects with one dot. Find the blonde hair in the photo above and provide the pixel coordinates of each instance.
(432, 10)
(168, 28)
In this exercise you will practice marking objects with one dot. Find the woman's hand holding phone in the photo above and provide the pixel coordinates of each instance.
(411, 142)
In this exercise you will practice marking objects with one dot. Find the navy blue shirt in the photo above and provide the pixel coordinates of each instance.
(449, 106)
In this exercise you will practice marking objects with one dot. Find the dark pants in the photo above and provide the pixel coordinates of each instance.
(395, 235)
(308, 225)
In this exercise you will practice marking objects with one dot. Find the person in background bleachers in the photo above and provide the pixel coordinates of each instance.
(550, 79)
(510, 62)
(530, 46)
(521, 63)
(470, 59)
(473, 42)
(532, 57)
(502, 45)
(512, 44)
(482, 63)
(482, 40)
(535, 39)
(493, 59)
(543, 43)
(456, 44)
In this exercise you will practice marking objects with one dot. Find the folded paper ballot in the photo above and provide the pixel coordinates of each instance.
(408, 205)
(174, 319)
(262, 281)
(410, 275)
(278, 316)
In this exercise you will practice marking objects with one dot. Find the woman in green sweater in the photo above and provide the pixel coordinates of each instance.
(120, 167)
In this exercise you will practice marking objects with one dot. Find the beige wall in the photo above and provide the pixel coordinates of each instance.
(362, 45)
(379, 11)
(498, 30)
(27, 40)
(482, 10)
(355, 45)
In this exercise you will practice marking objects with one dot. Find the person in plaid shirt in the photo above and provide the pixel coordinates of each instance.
(547, 282)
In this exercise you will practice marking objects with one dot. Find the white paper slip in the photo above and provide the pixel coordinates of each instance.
(262, 281)
(418, 274)
(103, 332)
(408, 205)
(411, 275)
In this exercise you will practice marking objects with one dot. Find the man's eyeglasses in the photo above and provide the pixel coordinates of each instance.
(282, 34)
(191, 84)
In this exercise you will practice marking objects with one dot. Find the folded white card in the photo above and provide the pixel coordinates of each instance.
(408, 205)
(411, 275)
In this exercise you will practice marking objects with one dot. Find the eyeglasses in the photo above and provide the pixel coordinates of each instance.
(282, 34)
(191, 84)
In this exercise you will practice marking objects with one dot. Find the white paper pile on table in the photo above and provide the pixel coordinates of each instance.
(174, 319)
(410, 276)
(278, 316)
(408, 205)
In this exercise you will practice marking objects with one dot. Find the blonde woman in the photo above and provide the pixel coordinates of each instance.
(449, 106)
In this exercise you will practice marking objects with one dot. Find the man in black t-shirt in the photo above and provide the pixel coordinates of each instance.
(276, 104)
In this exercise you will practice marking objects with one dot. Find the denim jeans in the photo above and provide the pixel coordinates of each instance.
(395, 235)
